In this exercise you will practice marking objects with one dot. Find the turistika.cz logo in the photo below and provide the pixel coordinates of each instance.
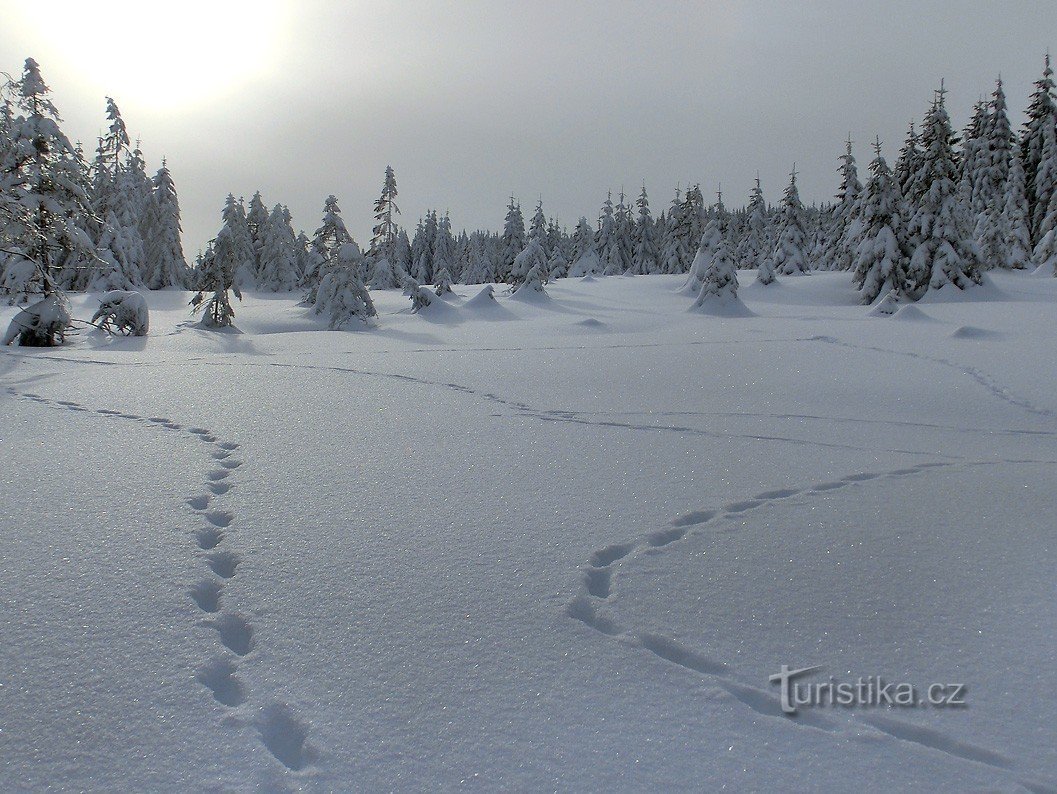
(864, 692)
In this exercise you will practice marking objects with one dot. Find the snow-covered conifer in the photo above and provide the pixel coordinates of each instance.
(216, 278)
(789, 254)
(166, 265)
(1018, 244)
(607, 241)
(754, 244)
(880, 256)
(945, 252)
(513, 240)
(644, 252)
(341, 297)
(584, 259)
(278, 252)
(44, 206)
(1042, 116)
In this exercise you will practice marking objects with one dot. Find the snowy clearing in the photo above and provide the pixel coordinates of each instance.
(551, 542)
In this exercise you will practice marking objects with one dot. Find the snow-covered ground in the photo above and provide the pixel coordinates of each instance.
(552, 544)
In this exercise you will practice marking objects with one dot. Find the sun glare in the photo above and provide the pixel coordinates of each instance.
(162, 55)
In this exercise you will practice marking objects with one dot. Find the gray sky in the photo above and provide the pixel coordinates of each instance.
(471, 101)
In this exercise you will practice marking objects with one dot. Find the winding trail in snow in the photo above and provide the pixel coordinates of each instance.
(278, 728)
(285, 736)
(598, 586)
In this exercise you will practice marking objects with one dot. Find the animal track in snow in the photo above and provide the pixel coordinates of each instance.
(209, 538)
(206, 594)
(219, 518)
(236, 633)
(280, 731)
(223, 563)
(597, 588)
(219, 677)
(284, 736)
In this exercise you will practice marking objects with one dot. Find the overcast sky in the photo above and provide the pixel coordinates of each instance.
(472, 101)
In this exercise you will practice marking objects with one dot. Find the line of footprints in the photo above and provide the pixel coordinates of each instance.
(280, 731)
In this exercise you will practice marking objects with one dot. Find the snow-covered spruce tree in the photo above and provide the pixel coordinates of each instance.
(257, 223)
(557, 262)
(513, 240)
(719, 280)
(1018, 244)
(382, 264)
(945, 252)
(43, 203)
(234, 215)
(533, 257)
(972, 162)
(166, 264)
(694, 217)
(443, 256)
(754, 244)
(789, 255)
(712, 238)
(342, 298)
(327, 239)
(1044, 257)
(837, 249)
(278, 252)
(607, 241)
(534, 279)
(908, 167)
(1042, 116)
(644, 251)
(765, 270)
(624, 229)
(880, 256)
(990, 177)
(584, 257)
(674, 256)
(216, 272)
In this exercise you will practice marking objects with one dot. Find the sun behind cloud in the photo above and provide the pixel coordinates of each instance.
(160, 55)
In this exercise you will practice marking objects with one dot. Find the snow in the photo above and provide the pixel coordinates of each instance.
(535, 545)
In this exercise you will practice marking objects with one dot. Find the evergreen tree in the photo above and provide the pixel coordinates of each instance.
(944, 253)
(1042, 116)
(257, 222)
(624, 230)
(789, 257)
(584, 257)
(1018, 243)
(607, 242)
(712, 238)
(326, 241)
(166, 265)
(837, 245)
(341, 297)
(44, 204)
(881, 255)
(234, 216)
(216, 278)
(513, 240)
(443, 256)
(644, 252)
(754, 244)
(719, 279)
(534, 255)
(385, 228)
(278, 252)
(908, 166)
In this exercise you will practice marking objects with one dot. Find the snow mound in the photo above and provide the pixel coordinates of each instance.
(1043, 271)
(886, 307)
(913, 314)
(531, 296)
(484, 304)
(591, 324)
(722, 307)
(973, 332)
